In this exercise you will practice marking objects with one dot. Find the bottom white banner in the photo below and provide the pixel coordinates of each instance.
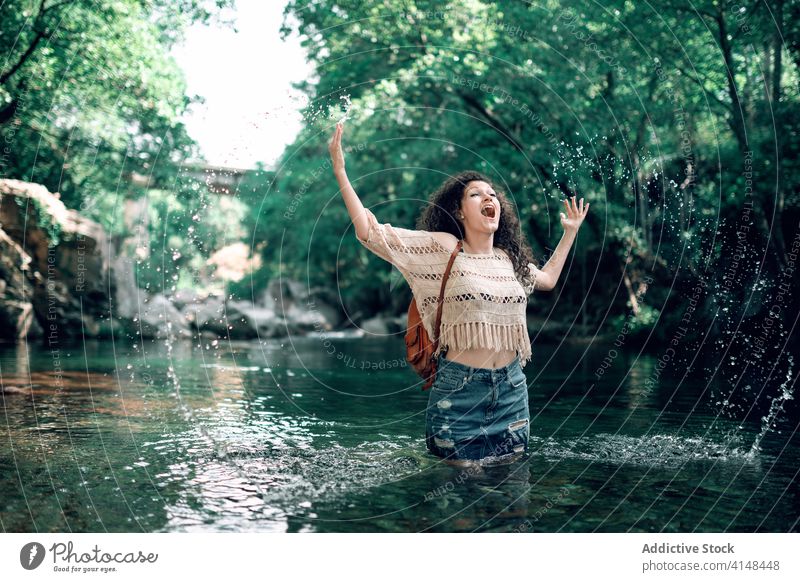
(609, 556)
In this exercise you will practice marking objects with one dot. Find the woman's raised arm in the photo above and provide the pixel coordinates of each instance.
(351, 200)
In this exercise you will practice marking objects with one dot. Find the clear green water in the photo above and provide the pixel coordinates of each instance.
(283, 436)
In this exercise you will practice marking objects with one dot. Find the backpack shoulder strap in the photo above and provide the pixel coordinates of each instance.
(441, 293)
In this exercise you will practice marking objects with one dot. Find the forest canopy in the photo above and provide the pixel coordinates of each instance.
(677, 121)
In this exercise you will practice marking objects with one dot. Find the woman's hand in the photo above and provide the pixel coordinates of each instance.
(335, 149)
(575, 215)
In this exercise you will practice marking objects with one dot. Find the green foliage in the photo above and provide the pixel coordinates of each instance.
(44, 220)
(635, 325)
(665, 117)
(89, 95)
(90, 106)
(627, 105)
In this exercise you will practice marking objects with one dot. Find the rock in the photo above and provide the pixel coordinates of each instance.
(264, 321)
(128, 294)
(158, 318)
(224, 320)
(300, 321)
(285, 294)
(206, 314)
(185, 297)
(329, 317)
(59, 278)
(302, 311)
(66, 280)
(17, 317)
(265, 299)
(15, 389)
(244, 320)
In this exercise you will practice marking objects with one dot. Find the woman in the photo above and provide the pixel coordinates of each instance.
(478, 404)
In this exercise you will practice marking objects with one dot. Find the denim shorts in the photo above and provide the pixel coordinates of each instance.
(474, 413)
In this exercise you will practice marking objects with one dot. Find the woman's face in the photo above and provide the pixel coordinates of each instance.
(481, 207)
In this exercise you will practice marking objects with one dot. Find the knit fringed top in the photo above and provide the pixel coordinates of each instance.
(484, 302)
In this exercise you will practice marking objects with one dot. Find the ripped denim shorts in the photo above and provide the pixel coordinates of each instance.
(475, 413)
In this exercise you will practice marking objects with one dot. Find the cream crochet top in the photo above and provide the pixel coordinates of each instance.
(484, 302)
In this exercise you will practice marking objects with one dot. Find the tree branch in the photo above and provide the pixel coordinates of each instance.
(493, 121)
(25, 56)
(40, 34)
(7, 112)
(498, 125)
(701, 83)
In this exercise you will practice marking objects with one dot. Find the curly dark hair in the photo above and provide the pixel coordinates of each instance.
(440, 215)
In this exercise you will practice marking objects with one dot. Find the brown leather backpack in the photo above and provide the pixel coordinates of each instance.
(419, 347)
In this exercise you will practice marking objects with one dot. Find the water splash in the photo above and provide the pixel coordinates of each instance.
(770, 419)
(592, 157)
(347, 104)
(649, 450)
(264, 480)
(319, 116)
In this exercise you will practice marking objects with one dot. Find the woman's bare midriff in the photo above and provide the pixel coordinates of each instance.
(481, 357)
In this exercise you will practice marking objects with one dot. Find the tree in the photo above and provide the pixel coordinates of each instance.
(646, 111)
(90, 96)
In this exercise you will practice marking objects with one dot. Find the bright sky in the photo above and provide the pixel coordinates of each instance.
(251, 111)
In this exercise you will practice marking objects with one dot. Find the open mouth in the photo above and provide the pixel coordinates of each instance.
(488, 211)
